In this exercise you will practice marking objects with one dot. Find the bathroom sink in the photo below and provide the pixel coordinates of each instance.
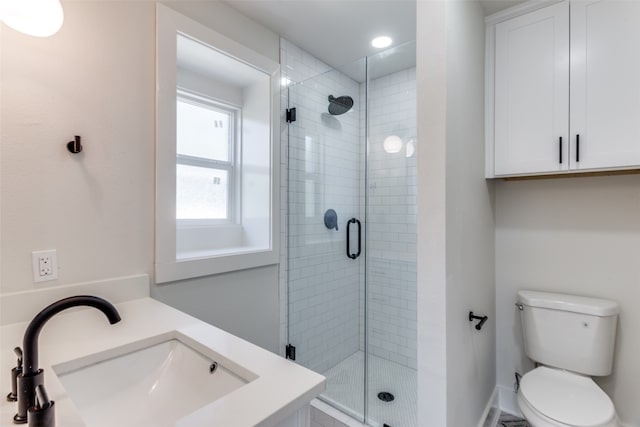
(155, 385)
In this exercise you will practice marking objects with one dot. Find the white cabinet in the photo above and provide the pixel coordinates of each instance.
(301, 418)
(605, 84)
(532, 92)
(564, 89)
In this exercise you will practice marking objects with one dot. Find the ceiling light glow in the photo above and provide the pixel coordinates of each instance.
(411, 148)
(392, 144)
(40, 18)
(381, 42)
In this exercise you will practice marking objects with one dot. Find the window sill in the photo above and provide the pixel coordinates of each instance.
(208, 264)
(214, 253)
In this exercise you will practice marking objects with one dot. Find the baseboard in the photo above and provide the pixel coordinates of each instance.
(489, 418)
(508, 401)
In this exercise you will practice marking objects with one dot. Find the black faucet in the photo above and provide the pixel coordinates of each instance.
(32, 376)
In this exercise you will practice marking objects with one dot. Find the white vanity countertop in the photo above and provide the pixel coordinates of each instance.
(280, 389)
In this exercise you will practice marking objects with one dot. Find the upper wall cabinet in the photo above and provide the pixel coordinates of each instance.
(563, 88)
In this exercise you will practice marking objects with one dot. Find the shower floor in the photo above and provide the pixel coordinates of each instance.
(345, 390)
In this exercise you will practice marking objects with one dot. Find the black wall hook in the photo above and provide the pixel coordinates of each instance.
(75, 146)
(482, 319)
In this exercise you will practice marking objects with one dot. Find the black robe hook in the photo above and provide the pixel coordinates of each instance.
(75, 146)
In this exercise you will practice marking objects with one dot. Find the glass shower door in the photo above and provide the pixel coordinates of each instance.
(325, 235)
(352, 235)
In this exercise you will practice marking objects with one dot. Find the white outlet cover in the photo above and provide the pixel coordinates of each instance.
(52, 258)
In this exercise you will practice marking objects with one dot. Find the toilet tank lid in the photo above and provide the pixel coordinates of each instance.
(573, 303)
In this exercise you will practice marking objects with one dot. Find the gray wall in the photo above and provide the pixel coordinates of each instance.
(456, 364)
(572, 235)
(470, 223)
(244, 303)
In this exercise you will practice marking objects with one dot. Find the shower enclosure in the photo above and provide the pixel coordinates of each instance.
(351, 238)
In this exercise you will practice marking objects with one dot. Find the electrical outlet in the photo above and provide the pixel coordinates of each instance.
(45, 265)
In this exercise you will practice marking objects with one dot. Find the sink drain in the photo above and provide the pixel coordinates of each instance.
(385, 396)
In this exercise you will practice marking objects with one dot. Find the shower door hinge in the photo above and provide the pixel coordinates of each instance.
(291, 115)
(291, 352)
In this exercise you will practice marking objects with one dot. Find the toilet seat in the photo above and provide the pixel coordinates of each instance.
(562, 398)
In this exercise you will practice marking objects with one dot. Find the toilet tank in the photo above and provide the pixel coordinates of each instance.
(569, 332)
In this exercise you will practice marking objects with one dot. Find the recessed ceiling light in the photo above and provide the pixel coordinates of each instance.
(381, 42)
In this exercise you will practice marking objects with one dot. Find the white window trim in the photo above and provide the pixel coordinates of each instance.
(167, 267)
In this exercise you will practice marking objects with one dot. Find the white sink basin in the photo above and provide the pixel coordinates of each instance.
(153, 386)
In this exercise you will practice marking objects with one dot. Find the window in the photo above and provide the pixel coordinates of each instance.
(217, 152)
(206, 166)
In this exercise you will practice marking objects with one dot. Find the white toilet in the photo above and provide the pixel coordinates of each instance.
(571, 338)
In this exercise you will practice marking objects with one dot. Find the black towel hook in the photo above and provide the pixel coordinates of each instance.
(75, 146)
(482, 320)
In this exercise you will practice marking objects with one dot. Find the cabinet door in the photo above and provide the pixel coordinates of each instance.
(532, 92)
(605, 84)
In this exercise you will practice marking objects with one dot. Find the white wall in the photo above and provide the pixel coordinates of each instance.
(96, 78)
(574, 235)
(456, 363)
(470, 224)
(95, 208)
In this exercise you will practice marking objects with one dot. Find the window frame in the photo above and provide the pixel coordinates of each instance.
(256, 242)
(233, 166)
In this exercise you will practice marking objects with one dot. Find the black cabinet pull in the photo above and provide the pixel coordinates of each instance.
(577, 148)
(357, 254)
(560, 150)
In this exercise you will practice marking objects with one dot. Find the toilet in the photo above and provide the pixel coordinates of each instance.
(571, 338)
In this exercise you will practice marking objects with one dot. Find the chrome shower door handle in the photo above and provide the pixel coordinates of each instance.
(357, 254)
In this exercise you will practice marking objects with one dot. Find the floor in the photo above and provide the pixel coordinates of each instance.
(345, 391)
(508, 420)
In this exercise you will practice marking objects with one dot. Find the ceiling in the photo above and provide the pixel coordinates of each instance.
(339, 32)
(493, 6)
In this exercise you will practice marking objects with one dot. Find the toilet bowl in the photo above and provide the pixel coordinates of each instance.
(555, 398)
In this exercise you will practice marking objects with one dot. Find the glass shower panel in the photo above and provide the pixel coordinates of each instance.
(352, 234)
(326, 285)
(391, 321)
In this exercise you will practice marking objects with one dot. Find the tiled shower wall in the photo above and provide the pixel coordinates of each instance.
(322, 168)
(391, 220)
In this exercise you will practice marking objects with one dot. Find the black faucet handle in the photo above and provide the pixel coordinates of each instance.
(18, 352)
(13, 396)
(43, 413)
(43, 401)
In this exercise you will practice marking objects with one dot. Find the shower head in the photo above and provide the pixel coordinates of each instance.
(339, 105)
